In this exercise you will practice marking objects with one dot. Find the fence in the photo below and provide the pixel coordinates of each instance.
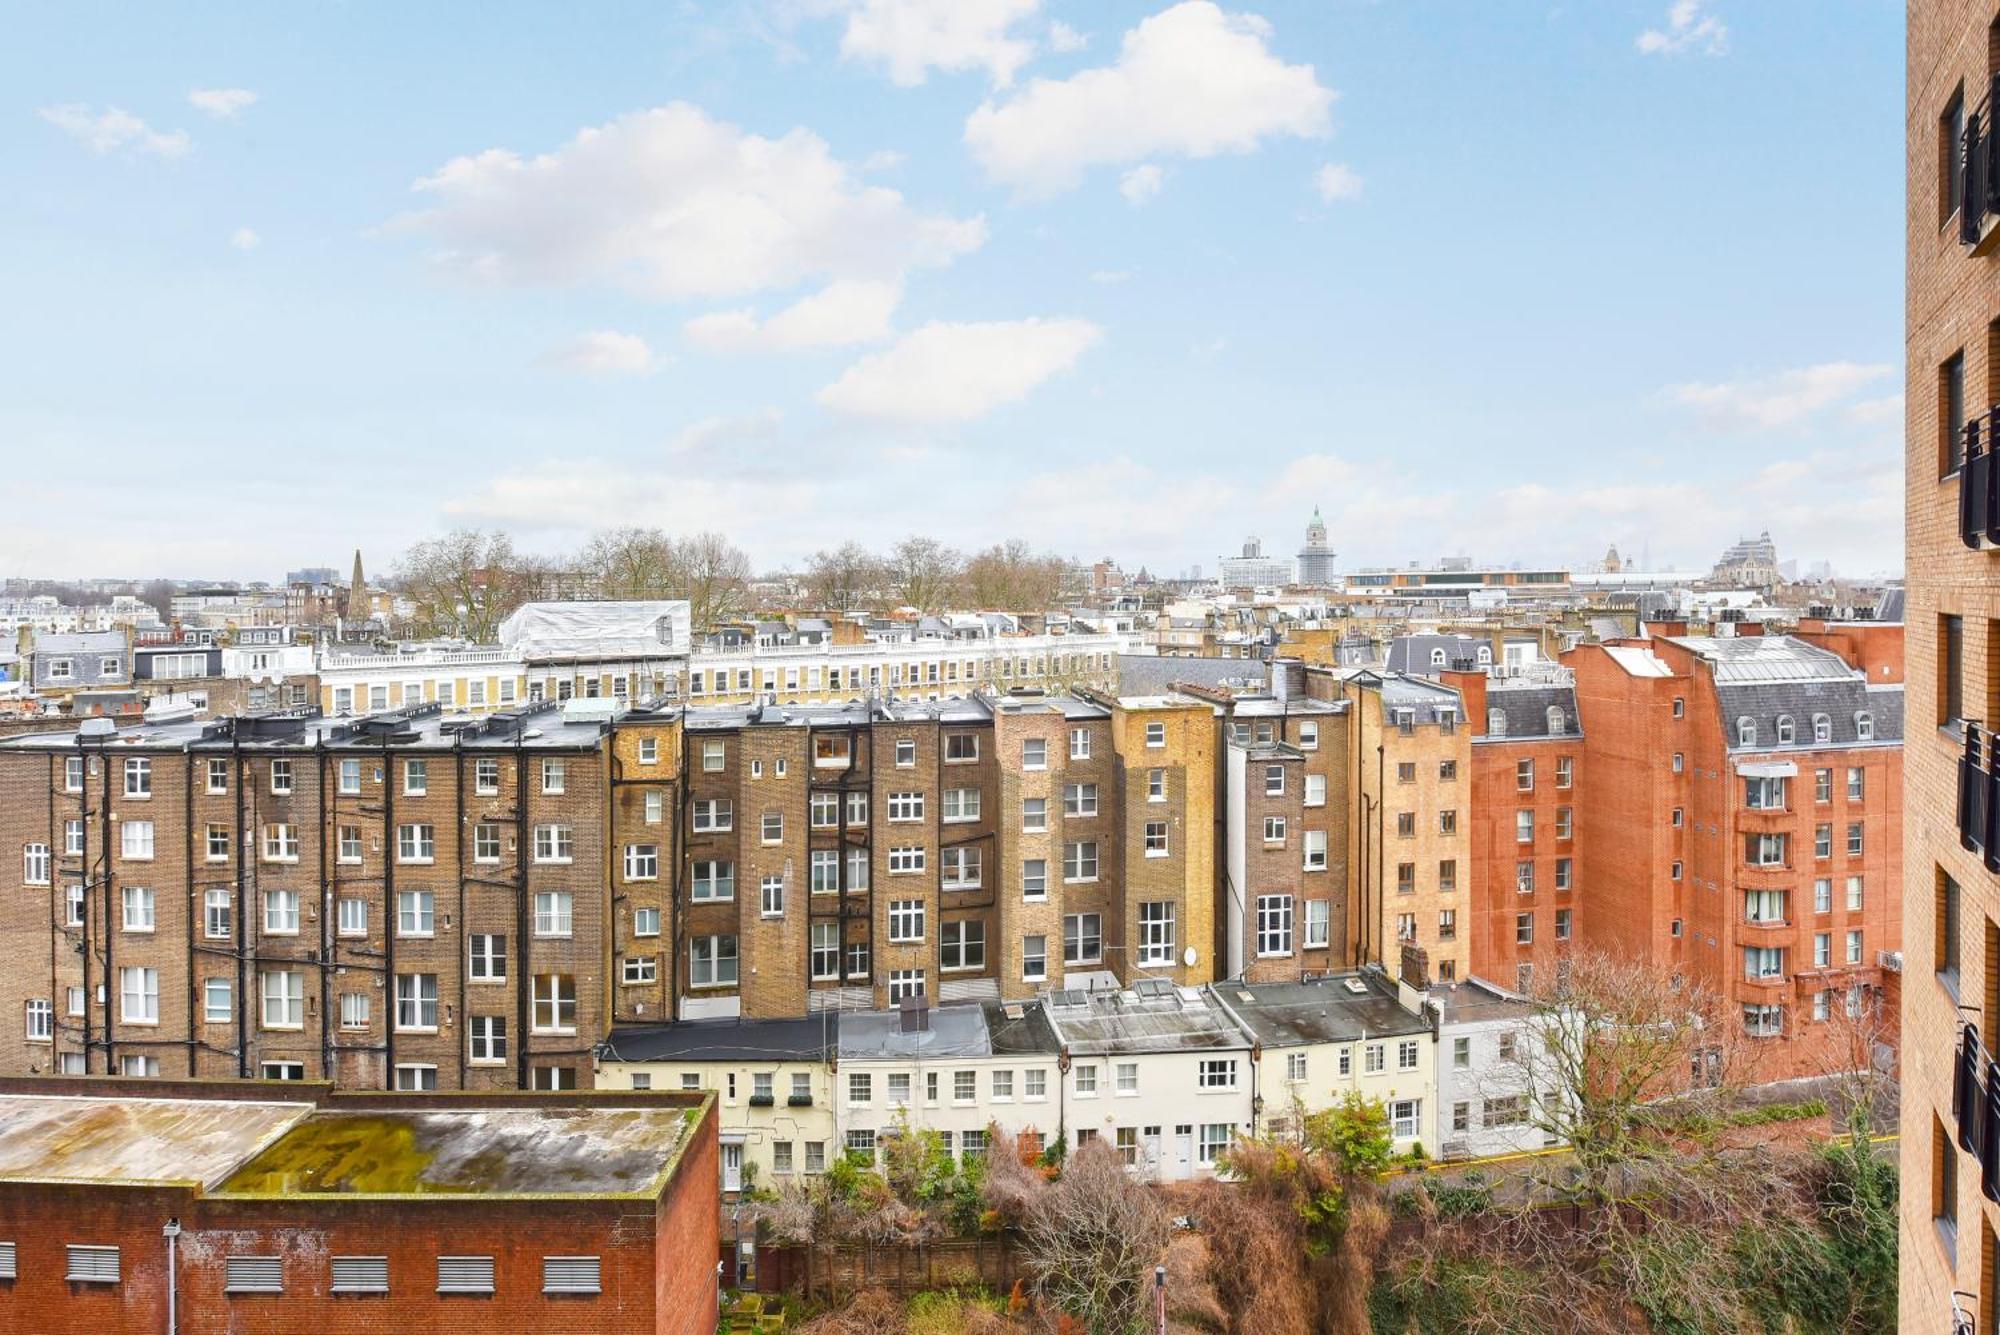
(837, 1271)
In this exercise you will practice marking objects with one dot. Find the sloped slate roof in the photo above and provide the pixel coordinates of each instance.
(1526, 710)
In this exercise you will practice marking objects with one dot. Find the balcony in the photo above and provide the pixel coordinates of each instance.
(1979, 795)
(1979, 482)
(1975, 1106)
(1979, 177)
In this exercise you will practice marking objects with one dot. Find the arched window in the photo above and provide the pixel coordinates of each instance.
(1787, 730)
(1486, 653)
(1496, 723)
(1746, 731)
(1864, 726)
(1555, 718)
(1437, 658)
(1822, 728)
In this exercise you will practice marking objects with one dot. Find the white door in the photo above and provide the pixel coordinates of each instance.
(732, 1166)
(1149, 1143)
(1183, 1152)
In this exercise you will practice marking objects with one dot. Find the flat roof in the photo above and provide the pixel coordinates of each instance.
(553, 1151)
(46, 1136)
(808, 1038)
(1325, 1010)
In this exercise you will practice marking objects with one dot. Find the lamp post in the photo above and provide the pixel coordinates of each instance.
(1159, 1300)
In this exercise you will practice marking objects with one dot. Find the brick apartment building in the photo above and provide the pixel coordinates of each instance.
(1952, 893)
(223, 1205)
(1744, 812)
(1528, 796)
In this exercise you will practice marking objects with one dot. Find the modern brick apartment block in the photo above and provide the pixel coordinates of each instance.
(1745, 798)
(1410, 758)
(224, 1205)
(1951, 893)
(1528, 797)
(401, 901)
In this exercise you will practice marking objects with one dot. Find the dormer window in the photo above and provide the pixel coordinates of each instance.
(1864, 727)
(1746, 731)
(1555, 719)
(1822, 728)
(1486, 653)
(1496, 723)
(1787, 730)
(1437, 658)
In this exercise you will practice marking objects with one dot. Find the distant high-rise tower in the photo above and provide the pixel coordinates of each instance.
(1316, 558)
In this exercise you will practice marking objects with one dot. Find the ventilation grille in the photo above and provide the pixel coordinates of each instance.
(93, 1265)
(360, 1274)
(253, 1274)
(465, 1274)
(571, 1274)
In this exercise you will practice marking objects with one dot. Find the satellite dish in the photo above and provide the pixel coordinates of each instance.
(1187, 957)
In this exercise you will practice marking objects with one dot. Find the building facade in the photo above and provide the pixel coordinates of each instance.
(1951, 894)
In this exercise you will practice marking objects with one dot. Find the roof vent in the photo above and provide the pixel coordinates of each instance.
(1356, 986)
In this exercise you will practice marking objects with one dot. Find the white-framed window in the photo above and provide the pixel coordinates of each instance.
(712, 961)
(554, 843)
(1156, 932)
(41, 1020)
(284, 998)
(353, 916)
(1079, 799)
(714, 755)
(36, 865)
(906, 920)
(1034, 958)
(714, 881)
(489, 1039)
(1216, 1073)
(416, 1001)
(960, 804)
(1274, 925)
(135, 841)
(1079, 743)
(1156, 734)
(1319, 923)
(554, 773)
(416, 843)
(960, 868)
(642, 862)
(1086, 1080)
(825, 959)
(1034, 878)
(1034, 815)
(906, 807)
(553, 1002)
(138, 776)
(1156, 839)
(1083, 938)
(1405, 1118)
(416, 778)
(962, 945)
(906, 753)
(905, 983)
(905, 859)
(1080, 860)
(1156, 785)
(1274, 780)
(1315, 852)
(1274, 830)
(713, 814)
(216, 915)
(416, 913)
(655, 807)
(139, 908)
(1034, 753)
(217, 1005)
(281, 912)
(485, 777)
(961, 746)
(554, 913)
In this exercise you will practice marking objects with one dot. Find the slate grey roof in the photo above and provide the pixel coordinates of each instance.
(807, 1039)
(1890, 606)
(1421, 694)
(1413, 653)
(1152, 675)
(1841, 701)
(951, 1031)
(1029, 1035)
(1525, 711)
(1325, 1010)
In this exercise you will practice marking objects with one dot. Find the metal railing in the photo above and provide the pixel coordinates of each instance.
(1975, 1106)
(1979, 169)
(1979, 795)
(1979, 481)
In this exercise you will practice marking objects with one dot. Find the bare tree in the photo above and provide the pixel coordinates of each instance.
(714, 576)
(924, 573)
(1622, 1062)
(465, 583)
(1859, 1060)
(632, 563)
(1092, 1239)
(1010, 577)
(844, 578)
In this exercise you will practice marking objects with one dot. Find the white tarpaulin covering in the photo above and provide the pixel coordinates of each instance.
(603, 630)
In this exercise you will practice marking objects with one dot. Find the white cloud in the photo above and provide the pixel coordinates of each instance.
(113, 130)
(1191, 81)
(1788, 398)
(1336, 182)
(1689, 28)
(955, 372)
(602, 352)
(1064, 39)
(703, 437)
(910, 38)
(244, 238)
(843, 314)
(222, 103)
(1140, 184)
(676, 204)
(884, 160)
(1871, 412)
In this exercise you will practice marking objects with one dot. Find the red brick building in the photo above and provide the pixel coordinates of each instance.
(1745, 821)
(252, 1207)
(1528, 752)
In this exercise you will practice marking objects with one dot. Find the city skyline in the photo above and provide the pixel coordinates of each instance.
(361, 292)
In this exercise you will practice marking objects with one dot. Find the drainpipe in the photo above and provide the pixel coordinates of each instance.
(171, 1233)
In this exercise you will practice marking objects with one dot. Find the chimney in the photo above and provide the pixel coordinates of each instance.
(1749, 628)
(915, 1014)
(1471, 687)
(1661, 628)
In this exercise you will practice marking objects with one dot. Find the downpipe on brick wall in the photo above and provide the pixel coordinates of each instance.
(171, 1233)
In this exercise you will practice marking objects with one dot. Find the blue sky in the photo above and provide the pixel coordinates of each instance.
(1513, 281)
